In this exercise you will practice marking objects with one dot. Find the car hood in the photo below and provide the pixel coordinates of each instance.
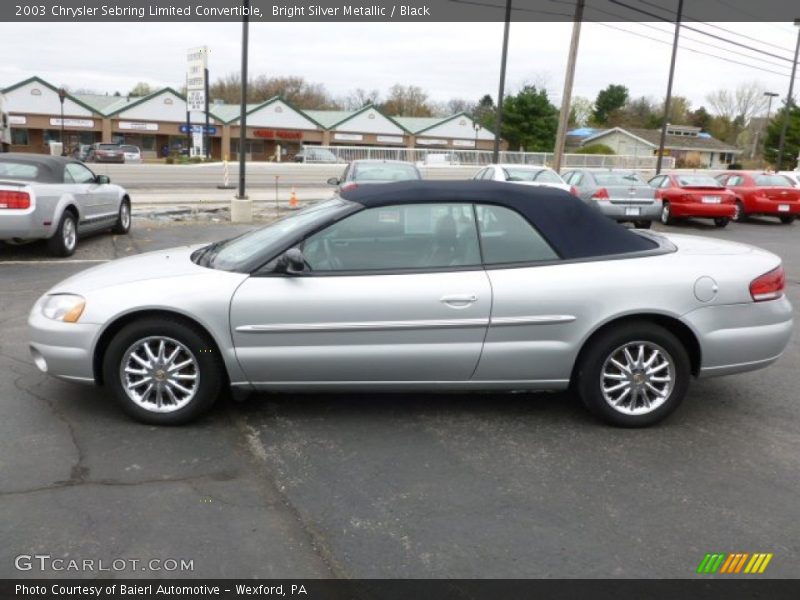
(174, 262)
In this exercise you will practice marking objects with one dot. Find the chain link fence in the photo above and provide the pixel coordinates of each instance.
(434, 158)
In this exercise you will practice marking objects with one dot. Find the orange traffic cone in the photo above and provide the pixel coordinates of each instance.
(293, 201)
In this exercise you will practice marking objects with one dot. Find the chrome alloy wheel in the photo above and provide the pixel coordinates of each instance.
(637, 378)
(159, 374)
(125, 215)
(69, 234)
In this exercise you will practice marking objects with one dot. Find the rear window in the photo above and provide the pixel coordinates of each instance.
(14, 170)
(773, 181)
(130, 149)
(540, 175)
(629, 179)
(384, 172)
(697, 181)
(108, 147)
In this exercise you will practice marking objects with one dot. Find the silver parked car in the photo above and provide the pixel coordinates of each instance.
(57, 199)
(523, 175)
(369, 171)
(424, 285)
(624, 196)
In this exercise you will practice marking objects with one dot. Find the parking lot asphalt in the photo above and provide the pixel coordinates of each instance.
(391, 485)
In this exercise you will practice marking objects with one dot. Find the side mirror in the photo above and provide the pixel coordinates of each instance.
(102, 179)
(292, 262)
(333, 181)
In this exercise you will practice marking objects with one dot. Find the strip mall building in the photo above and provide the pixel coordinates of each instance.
(158, 122)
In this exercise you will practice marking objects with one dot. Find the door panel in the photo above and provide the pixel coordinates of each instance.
(400, 327)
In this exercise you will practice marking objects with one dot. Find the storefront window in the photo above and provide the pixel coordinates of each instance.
(19, 137)
(148, 142)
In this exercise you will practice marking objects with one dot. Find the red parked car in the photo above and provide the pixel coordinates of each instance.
(762, 194)
(685, 195)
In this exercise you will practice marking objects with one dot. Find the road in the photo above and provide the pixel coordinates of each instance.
(389, 485)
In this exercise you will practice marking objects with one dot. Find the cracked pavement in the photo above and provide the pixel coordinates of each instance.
(389, 485)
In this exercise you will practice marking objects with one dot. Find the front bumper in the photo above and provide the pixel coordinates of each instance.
(650, 211)
(63, 350)
(735, 338)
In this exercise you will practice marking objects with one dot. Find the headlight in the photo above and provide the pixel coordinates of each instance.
(63, 307)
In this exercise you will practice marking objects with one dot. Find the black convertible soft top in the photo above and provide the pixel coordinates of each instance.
(574, 229)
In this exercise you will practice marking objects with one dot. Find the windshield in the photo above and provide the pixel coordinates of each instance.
(626, 179)
(697, 181)
(253, 248)
(773, 181)
(384, 172)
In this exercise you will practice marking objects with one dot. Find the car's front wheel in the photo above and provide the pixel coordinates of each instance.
(65, 239)
(163, 371)
(633, 375)
(123, 224)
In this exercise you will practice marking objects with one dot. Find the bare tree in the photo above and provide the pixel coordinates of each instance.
(407, 101)
(742, 104)
(580, 111)
(359, 98)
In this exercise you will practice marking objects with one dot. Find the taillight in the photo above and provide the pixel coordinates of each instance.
(601, 194)
(14, 199)
(768, 286)
(573, 190)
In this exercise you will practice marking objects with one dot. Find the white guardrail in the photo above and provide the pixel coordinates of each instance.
(430, 157)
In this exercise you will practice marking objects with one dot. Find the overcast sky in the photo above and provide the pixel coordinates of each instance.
(445, 59)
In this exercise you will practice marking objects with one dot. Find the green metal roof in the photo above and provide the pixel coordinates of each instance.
(416, 124)
(329, 118)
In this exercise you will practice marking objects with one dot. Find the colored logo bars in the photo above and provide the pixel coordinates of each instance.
(740, 562)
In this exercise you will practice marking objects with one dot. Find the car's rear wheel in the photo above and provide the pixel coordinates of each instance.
(633, 375)
(162, 371)
(738, 212)
(642, 224)
(123, 224)
(721, 222)
(787, 219)
(65, 239)
(666, 214)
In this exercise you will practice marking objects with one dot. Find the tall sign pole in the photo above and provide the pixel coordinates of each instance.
(208, 125)
(668, 99)
(569, 78)
(196, 96)
(501, 92)
(243, 106)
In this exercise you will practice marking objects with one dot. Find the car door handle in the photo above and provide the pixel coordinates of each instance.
(459, 300)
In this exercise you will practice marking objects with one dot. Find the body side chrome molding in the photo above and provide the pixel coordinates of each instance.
(397, 325)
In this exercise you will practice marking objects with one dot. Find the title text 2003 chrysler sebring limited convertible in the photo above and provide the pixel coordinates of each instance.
(421, 285)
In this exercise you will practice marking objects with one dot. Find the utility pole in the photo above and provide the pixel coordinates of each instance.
(569, 78)
(502, 91)
(207, 143)
(770, 96)
(789, 102)
(667, 100)
(242, 206)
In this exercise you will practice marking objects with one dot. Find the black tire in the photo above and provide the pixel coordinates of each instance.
(787, 219)
(721, 222)
(605, 345)
(123, 224)
(208, 368)
(739, 216)
(65, 239)
(642, 224)
(666, 214)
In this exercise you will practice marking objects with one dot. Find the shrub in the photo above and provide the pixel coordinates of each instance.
(595, 149)
(169, 160)
(735, 166)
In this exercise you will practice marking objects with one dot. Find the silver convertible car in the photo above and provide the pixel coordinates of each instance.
(472, 285)
(57, 199)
